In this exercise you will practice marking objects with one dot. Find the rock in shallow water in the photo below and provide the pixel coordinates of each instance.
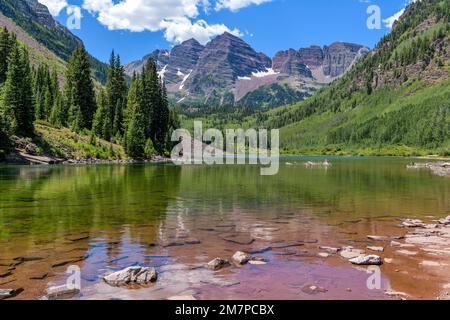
(413, 223)
(9, 293)
(132, 275)
(241, 258)
(370, 260)
(330, 250)
(218, 264)
(350, 253)
(445, 221)
(378, 249)
(61, 292)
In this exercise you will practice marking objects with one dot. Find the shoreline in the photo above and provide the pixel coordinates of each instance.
(21, 158)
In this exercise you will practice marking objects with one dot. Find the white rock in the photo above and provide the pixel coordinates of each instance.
(378, 249)
(413, 223)
(432, 264)
(9, 293)
(241, 258)
(137, 275)
(388, 260)
(323, 255)
(257, 262)
(349, 253)
(367, 260)
(218, 264)
(61, 292)
(445, 221)
(330, 250)
(407, 253)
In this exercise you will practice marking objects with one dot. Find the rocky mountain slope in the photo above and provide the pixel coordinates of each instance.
(36, 21)
(229, 71)
(394, 101)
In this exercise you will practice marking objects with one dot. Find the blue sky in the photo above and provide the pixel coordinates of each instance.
(136, 27)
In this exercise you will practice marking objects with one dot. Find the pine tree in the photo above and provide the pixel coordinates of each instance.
(79, 91)
(18, 92)
(6, 41)
(56, 116)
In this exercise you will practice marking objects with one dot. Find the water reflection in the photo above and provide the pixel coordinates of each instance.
(106, 218)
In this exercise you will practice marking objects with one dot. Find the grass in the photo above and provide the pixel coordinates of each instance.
(63, 143)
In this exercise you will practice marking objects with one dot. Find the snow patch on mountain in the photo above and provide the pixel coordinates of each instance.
(262, 74)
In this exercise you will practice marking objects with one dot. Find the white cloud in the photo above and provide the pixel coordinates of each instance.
(177, 18)
(182, 29)
(54, 6)
(235, 5)
(389, 22)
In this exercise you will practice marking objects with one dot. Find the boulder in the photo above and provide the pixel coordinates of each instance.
(131, 275)
(218, 264)
(368, 260)
(241, 258)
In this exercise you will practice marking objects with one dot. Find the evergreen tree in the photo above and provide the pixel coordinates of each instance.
(116, 87)
(56, 116)
(79, 91)
(6, 42)
(18, 92)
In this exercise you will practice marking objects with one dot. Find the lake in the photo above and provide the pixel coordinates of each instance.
(108, 217)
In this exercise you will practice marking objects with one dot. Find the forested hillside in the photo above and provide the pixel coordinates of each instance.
(395, 101)
(36, 21)
(138, 118)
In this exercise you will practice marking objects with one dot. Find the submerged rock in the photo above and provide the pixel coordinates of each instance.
(407, 253)
(323, 255)
(241, 258)
(370, 260)
(313, 290)
(61, 292)
(378, 249)
(10, 293)
(132, 275)
(218, 264)
(445, 221)
(330, 250)
(351, 253)
(413, 223)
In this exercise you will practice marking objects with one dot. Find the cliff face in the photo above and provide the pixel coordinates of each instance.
(334, 60)
(223, 61)
(227, 69)
(290, 62)
(340, 56)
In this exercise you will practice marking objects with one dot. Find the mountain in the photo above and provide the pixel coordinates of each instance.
(35, 20)
(394, 101)
(229, 71)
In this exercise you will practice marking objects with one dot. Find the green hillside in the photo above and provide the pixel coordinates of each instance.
(42, 27)
(395, 101)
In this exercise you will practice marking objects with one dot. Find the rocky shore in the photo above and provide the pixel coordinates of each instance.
(419, 246)
(440, 169)
(22, 158)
